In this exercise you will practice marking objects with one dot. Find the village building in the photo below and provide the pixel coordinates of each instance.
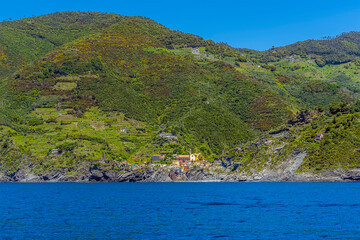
(292, 59)
(183, 158)
(124, 130)
(195, 51)
(318, 137)
(125, 163)
(167, 135)
(157, 158)
(176, 162)
(56, 151)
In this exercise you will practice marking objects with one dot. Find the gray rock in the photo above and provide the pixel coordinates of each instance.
(224, 171)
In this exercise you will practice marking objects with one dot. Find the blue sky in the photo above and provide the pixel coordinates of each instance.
(251, 24)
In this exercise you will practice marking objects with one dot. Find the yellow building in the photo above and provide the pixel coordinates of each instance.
(195, 157)
(176, 162)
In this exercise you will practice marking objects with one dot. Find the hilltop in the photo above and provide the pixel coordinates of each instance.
(97, 91)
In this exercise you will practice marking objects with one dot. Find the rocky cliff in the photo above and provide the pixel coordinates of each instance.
(283, 173)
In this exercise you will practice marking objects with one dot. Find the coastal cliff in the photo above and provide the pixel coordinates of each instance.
(282, 173)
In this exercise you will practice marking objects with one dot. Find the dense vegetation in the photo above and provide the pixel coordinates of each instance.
(72, 82)
(341, 49)
(338, 148)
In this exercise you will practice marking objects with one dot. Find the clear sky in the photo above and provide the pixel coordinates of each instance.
(251, 24)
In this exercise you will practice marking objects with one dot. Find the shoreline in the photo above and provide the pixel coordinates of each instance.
(164, 175)
(200, 181)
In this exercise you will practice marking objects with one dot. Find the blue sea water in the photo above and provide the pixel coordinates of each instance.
(180, 211)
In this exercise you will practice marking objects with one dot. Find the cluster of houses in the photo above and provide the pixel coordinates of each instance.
(195, 51)
(293, 59)
(180, 161)
(174, 162)
(175, 157)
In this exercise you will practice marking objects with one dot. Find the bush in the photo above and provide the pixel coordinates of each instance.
(67, 146)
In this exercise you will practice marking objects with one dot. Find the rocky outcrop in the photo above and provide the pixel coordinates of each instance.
(352, 175)
(286, 171)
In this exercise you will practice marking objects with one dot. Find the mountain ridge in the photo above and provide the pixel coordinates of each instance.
(343, 48)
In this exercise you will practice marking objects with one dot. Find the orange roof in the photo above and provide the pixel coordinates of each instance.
(183, 156)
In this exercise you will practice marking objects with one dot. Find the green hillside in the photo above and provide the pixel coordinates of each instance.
(341, 49)
(25, 40)
(337, 149)
(78, 87)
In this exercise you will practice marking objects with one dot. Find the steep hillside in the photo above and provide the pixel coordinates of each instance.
(25, 40)
(318, 144)
(82, 91)
(159, 80)
(315, 72)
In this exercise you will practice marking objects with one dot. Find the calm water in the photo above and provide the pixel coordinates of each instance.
(180, 211)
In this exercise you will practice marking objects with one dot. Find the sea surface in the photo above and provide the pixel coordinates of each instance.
(180, 211)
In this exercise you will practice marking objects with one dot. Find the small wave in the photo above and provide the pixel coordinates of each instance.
(213, 203)
(339, 205)
(221, 236)
(240, 221)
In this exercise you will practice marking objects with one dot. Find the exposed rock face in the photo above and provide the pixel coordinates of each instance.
(283, 172)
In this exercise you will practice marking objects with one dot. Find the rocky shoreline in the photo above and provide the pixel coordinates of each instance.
(222, 170)
(162, 175)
